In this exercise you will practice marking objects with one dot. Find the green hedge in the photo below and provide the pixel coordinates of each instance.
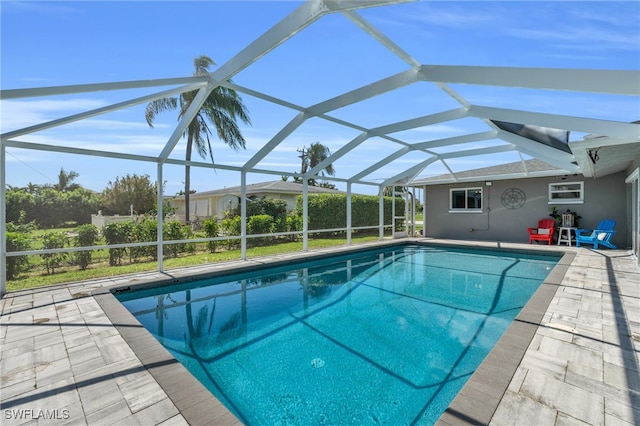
(329, 211)
(145, 231)
(275, 208)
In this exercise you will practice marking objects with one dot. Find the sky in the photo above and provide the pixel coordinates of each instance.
(54, 43)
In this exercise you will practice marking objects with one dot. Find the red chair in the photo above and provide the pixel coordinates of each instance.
(544, 231)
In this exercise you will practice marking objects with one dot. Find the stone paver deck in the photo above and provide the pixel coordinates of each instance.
(69, 355)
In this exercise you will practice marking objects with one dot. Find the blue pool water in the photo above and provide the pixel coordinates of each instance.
(383, 336)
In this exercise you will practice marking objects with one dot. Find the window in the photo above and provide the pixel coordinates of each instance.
(465, 200)
(566, 193)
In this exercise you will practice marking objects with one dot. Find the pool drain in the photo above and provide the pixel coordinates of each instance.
(317, 363)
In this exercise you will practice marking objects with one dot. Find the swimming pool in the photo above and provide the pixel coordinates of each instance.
(383, 336)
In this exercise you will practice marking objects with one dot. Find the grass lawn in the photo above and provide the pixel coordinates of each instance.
(101, 269)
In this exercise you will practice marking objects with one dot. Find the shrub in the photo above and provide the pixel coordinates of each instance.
(53, 240)
(326, 211)
(211, 230)
(87, 236)
(275, 208)
(294, 224)
(22, 226)
(175, 230)
(144, 231)
(117, 233)
(231, 226)
(17, 241)
(260, 224)
(329, 211)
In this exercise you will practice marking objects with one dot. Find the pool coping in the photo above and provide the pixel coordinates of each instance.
(476, 402)
(479, 398)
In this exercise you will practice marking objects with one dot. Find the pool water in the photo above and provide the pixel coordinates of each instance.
(383, 336)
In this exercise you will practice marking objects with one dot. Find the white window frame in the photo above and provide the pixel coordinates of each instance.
(466, 208)
(559, 188)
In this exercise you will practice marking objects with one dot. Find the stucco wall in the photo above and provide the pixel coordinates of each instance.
(604, 198)
(99, 221)
(203, 208)
(633, 208)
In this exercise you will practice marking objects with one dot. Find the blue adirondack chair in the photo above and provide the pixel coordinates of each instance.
(601, 236)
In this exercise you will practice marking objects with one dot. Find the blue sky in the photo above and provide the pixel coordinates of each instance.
(61, 43)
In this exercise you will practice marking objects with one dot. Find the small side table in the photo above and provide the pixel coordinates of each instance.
(564, 235)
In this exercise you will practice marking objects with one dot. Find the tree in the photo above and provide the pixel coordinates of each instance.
(79, 204)
(314, 155)
(388, 191)
(65, 181)
(223, 107)
(32, 188)
(327, 185)
(49, 207)
(19, 202)
(131, 190)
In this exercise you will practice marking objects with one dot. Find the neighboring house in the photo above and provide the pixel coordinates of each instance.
(499, 203)
(215, 203)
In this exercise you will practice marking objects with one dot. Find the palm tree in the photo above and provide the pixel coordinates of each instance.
(388, 191)
(32, 188)
(222, 107)
(65, 181)
(314, 155)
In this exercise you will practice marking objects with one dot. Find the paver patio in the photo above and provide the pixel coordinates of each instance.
(64, 361)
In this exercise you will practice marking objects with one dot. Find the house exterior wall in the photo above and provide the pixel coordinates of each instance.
(289, 198)
(99, 221)
(199, 208)
(224, 203)
(604, 198)
(215, 206)
(633, 205)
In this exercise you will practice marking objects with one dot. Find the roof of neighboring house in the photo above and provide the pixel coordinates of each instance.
(516, 170)
(275, 187)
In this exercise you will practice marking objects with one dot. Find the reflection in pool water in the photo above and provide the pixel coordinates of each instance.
(387, 336)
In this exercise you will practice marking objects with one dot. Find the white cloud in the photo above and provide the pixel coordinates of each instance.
(20, 114)
(136, 144)
(581, 37)
(460, 17)
(438, 129)
(427, 15)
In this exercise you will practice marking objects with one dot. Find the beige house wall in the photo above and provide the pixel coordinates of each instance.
(215, 206)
